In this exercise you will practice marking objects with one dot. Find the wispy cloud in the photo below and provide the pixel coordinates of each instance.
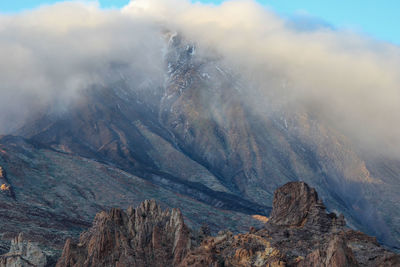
(49, 54)
(348, 79)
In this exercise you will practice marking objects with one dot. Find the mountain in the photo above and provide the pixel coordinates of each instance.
(195, 141)
(299, 233)
(55, 195)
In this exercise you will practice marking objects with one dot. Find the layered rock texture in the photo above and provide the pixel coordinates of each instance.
(145, 236)
(299, 233)
(24, 253)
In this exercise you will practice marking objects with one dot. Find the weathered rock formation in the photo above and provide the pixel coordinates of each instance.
(145, 236)
(25, 253)
(299, 233)
(297, 205)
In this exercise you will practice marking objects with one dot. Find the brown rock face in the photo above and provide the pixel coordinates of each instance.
(336, 254)
(145, 236)
(302, 230)
(296, 205)
(299, 233)
(292, 204)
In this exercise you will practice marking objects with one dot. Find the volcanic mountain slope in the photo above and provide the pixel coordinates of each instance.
(55, 195)
(299, 233)
(198, 134)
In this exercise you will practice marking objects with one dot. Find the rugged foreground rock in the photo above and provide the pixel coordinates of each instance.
(145, 236)
(25, 253)
(299, 233)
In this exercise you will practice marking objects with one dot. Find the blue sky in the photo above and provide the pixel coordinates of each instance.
(379, 19)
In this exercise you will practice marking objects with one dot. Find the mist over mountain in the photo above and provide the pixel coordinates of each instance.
(346, 78)
(201, 107)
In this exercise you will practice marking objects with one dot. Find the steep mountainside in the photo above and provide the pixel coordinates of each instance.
(55, 195)
(198, 135)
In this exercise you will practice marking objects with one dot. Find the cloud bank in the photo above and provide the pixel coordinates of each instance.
(351, 80)
(50, 54)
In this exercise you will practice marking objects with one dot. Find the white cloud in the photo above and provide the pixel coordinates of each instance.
(351, 80)
(49, 54)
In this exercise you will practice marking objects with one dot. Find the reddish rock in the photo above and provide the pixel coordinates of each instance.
(145, 236)
(336, 254)
(299, 233)
(292, 204)
(297, 205)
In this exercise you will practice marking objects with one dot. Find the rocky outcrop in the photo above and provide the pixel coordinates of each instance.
(296, 205)
(25, 253)
(302, 230)
(299, 233)
(145, 236)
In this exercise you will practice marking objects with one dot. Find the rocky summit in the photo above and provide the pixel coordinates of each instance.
(299, 232)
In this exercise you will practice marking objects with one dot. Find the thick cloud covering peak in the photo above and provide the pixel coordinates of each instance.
(350, 80)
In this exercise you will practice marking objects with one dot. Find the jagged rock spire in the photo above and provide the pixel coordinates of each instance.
(145, 236)
(297, 205)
